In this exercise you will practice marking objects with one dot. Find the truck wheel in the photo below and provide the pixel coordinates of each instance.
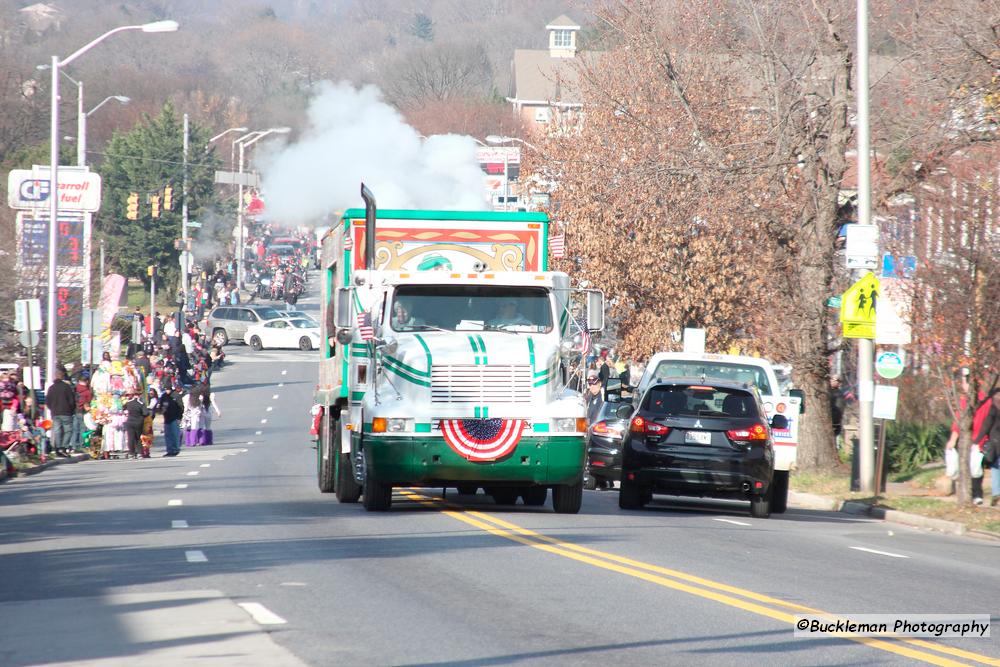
(760, 506)
(326, 457)
(377, 496)
(348, 489)
(468, 489)
(631, 496)
(567, 498)
(779, 492)
(504, 496)
(534, 496)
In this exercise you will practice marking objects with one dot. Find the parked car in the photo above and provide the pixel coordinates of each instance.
(228, 323)
(698, 437)
(283, 333)
(604, 446)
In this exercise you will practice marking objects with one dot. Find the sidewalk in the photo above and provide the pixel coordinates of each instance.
(36, 468)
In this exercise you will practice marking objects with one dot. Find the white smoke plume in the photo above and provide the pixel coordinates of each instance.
(354, 136)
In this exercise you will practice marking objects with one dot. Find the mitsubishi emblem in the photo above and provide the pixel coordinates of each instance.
(697, 423)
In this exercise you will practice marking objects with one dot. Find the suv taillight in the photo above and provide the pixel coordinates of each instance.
(755, 432)
(640, 425)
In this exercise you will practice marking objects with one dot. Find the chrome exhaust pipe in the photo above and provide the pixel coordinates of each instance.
(370, 210)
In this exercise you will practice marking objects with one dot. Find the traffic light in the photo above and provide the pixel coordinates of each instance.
(154, 202)
(168, 198)
(132, 207)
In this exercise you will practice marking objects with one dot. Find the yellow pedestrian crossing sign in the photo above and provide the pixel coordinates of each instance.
(857, 307)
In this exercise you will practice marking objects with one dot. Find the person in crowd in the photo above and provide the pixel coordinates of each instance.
(135, 416)
(83, 398)
(61, 401)
(593, 398)
(172, 410)
(605, 371)
(976, 449)
(208, 406)
(191, 420)
(989, 435)
(837, 407)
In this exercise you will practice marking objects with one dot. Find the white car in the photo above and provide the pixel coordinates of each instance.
(286, 332)
(298, 315)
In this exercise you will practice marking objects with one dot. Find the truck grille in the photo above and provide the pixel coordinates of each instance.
(481, 384)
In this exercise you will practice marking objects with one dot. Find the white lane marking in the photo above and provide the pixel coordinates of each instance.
(258, 433)
(262, 614)
(274, 398)
(244, 451)
(263, 421)
(284, 372)
(180, 486)
(281, 384)
(192, 473)
(178, 523)
(176, 502)
(269, 408)
(205, 465)
(880, 553)
(293, 583)
(195, 557)
(733, 521)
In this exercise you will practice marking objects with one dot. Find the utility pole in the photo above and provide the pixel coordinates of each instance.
(866, 346)
(184, 213)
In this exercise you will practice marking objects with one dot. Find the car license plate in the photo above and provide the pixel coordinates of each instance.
(698, 437)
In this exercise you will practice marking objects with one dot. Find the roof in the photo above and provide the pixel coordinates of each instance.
(421, 214)
(564, 22)
(538, 77)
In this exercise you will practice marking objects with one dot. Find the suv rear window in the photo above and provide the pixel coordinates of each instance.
(717, 370)
(700, 401)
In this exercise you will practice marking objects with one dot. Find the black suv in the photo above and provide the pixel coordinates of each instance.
(698, 437)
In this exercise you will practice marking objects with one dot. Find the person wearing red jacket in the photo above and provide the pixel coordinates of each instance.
(83, 398)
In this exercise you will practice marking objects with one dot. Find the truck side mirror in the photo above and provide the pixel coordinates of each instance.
(343, 305)
(801, 395)
(595, 310)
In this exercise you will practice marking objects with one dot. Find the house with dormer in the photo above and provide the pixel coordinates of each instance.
(544, 86)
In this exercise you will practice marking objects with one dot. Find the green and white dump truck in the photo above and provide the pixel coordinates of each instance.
(447, 350)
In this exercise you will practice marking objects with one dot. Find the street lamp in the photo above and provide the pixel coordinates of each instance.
(52, 326)
(81, 146)
(245, 141)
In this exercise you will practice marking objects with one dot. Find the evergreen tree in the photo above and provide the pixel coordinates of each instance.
(145, 160)
(423, 27)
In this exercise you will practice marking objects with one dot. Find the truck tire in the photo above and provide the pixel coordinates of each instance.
(468, 489)
(567, 498)
(760, 506)
(631, 496)
(504, 496)
(348, 489)
(779, 492)
(534, 496)
(325, 457)
(377, 496)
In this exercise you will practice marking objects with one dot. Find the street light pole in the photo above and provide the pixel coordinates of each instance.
(244, 142)
(184, 217)
(81, 134)
(52, 326)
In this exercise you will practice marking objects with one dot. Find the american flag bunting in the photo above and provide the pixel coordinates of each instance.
(557, 244)
(365, 327)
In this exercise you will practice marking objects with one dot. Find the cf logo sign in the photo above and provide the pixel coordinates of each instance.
(34, 190)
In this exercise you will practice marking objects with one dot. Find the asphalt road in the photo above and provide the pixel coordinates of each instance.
(115, 562)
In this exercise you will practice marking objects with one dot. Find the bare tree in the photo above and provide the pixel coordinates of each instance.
(440, 72)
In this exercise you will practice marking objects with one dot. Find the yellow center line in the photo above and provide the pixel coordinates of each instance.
(651, 573)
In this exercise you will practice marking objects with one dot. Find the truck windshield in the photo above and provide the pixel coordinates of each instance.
(690, 368)
(471, 308)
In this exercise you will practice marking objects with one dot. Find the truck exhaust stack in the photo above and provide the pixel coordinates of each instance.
(370, 210)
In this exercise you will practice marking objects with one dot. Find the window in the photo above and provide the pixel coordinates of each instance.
(471, 308)
(542, 115)
(562, 38)
(691, 368)
(247, 316)
(698, 401)
(222, 314)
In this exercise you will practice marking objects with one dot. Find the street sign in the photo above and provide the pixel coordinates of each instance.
(193, 224)
(27, 314)
(91, 323)
(91, 349)
(858, 306)
(884, 403)
(898, 266)
(247, 179)
(833, 302)
(33, 378)
(29, 341)
(186, 261)
(889, 365)
(861, 250)
(890, 328)
(79, 188)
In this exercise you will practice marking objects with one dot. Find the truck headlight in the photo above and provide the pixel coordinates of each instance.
(570, 424)
(398, 425)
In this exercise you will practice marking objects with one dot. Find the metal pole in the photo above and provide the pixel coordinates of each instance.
(184, 212)
(102, 264)
(152, 304)
(81, 127)
(866, 347)
(52, 327)
(239, 227)
(506, 180)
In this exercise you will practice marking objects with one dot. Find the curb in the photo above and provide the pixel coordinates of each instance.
(810, 501)
(895, 516)
(34, 470)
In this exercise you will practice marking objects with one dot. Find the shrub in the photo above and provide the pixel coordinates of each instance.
(912, 444)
